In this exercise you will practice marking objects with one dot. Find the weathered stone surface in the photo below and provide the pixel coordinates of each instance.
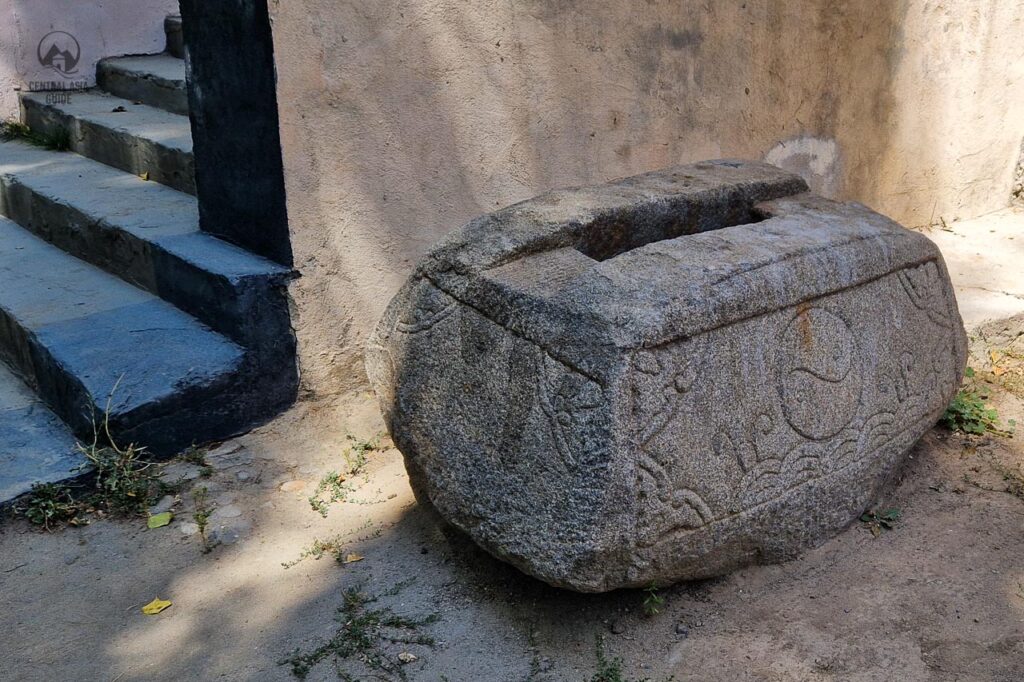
(666, 377)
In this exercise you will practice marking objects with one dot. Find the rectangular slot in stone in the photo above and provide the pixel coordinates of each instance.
(607, 238)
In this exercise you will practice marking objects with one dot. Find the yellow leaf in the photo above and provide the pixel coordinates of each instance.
(159, 520)
(998, 371)
(993, 356)
(144, 175)
(352, 558)
(155, 606)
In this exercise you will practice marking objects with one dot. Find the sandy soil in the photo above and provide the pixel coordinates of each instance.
(938, 597)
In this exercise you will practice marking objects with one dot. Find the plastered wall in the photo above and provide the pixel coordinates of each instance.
(402, 119)
(102, 28)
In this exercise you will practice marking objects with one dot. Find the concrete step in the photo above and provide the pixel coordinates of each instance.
(85, 340)
(35, 445)
(133, 137)
(175, 39)
(157, 80)
(147, 234)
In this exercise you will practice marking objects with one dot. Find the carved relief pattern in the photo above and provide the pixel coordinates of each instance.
(659, 383)
(826, 417)
(571, 403)
(926, 292)
(432, 305)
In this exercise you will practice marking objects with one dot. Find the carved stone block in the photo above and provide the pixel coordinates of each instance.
(666, 377)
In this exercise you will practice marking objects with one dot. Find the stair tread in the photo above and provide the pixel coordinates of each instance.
(35, 445)
(148, 210)
(170, 130)
(103, 331)
(163, 67)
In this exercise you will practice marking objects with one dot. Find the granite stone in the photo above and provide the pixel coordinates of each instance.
(666, 377)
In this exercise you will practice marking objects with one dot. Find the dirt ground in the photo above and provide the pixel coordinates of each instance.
(940, 596)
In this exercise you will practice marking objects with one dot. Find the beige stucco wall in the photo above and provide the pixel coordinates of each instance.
(402, 119)
(103, 28)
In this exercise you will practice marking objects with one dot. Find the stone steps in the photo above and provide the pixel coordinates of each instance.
(109, 289)
(132, 137)
(85, 340)
(35, 445)
(144, 233)
(156, 80)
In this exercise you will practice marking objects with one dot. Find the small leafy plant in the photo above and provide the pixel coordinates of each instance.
(332, 486)
(58, 140)
(652, 601)
(121, 484)
(969, 412)
(877, 521)
(364, 635)
(610, 669)
(201, 517)
(358, 451)
(51, 505)
(330, 489)
(318, 550)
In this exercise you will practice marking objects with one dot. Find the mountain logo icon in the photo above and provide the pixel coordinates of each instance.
(59, 51)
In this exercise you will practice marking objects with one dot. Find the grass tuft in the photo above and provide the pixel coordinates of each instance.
(58, 140)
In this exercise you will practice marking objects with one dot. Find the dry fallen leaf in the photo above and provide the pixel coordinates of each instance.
(352, 558)
(998, 371)
(144, 175)
(155, 606)
(406, 657)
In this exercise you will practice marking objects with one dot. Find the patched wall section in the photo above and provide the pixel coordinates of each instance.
(403, 119)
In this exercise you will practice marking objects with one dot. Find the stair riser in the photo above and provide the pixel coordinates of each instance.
(30, 359)
(214, 411)
(150, 91)
(251, 311)
(166, 165)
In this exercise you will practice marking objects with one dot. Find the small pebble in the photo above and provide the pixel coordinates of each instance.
(293, 486)
(188, 528)
(230, 511)
(225, 449)
(618, 627)
(165, 504)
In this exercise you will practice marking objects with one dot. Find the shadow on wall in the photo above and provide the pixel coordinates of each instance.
(403, 120)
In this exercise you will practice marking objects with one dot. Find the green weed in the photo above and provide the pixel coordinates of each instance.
(201, 517)
(610, 669)
(970, 413)
(364, 635)
(58, 140)
(121, 484)
(51, 505)
(652, 601)
(877, 521)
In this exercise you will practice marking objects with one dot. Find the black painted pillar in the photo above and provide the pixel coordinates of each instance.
(237, 146)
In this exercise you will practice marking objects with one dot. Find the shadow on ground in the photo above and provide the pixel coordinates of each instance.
(938, 597)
